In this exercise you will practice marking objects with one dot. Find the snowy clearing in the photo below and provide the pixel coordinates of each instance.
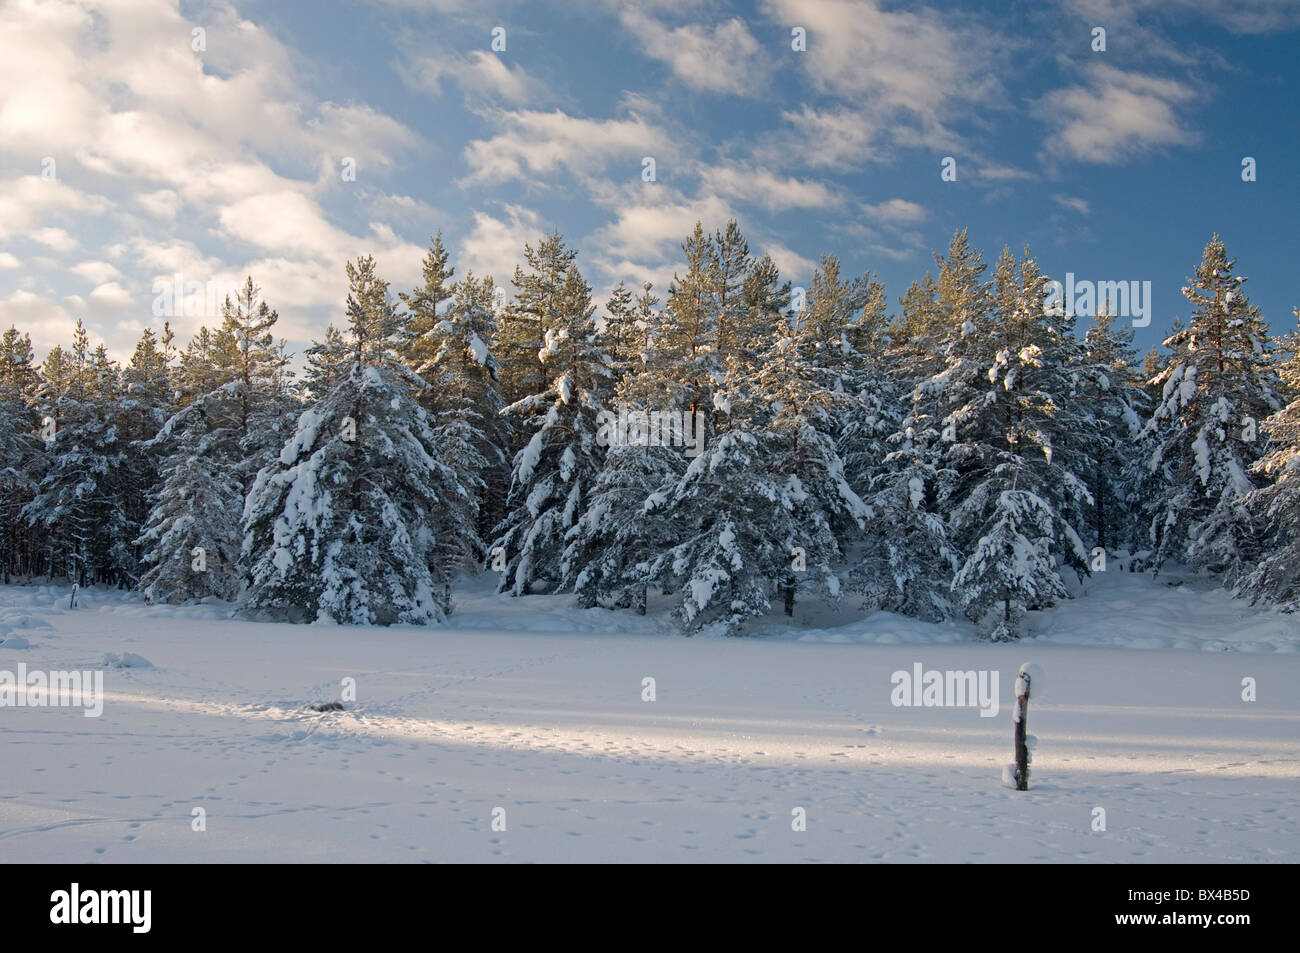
(535, 707)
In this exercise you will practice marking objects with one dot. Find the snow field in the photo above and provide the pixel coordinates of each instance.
(535, 707)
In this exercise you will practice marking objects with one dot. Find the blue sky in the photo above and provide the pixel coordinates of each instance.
(218, 162)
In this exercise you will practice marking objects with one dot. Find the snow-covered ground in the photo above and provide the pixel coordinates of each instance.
(534, 707)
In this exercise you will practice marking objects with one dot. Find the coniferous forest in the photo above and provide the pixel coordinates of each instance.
(964, 448)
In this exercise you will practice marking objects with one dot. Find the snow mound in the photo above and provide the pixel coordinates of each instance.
(21, 620)
(1134, 611)
(126, 660)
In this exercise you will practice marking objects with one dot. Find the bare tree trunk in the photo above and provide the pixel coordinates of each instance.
(787, 589)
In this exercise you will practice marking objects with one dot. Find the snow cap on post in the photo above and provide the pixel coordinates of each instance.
(1034, 671)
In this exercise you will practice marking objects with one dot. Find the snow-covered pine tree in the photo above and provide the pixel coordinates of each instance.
(919, 336)
(603, 560)
(612, 548)
(765, 315)
(944, 343)
(687, 335)
(555, 471)
(1154, 364)
(148, 377)
(736, 532)
(728, 267)
(461, 371)
(1275, 506)
(329, 363)
(1012, 566)
(1144, 490)
(840, 333)
(192, 538)
(19, 446)
(1202, 437)
(199, 369)
(1054, 392)
(522, 335)
(646, 303)
(826, 325)
(81, 504)
(808, 404)
(765, 508)
(907, 558)
(212, 449)
(619, 332)
(143, 403)
(1119, 405)
(249, 357)
(420, 341)
(19, 378)
(338, 528)
(891, 450)
(906, 562)
(1010, 440)
(605, 551)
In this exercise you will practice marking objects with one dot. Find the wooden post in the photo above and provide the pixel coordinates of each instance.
(1022, 718)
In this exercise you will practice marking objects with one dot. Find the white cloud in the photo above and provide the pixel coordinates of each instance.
(493, 246)
(1114, 116)
(537, 145)
(837, 138)
(901, 75)
(993, 172)
(96, 272)
(404, 210)
(479, 75)
(112, 295)
(724, 58)
(358, 132)
(167, 256)
(1238, 16)
(7, 261)
(111, 317)
(55, 238)
(283, 222)
(1072, 202)
(437, 6)
(227, 141)
(917, 60)
(793, 266)
(27, 201)
(650, 227)
(160, 204)
(896, 211)
(48, 322)
(892, 252)
(760, 187)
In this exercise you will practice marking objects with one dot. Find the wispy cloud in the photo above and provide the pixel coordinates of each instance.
(720, 58)
(1072, 202)
(1115, 115)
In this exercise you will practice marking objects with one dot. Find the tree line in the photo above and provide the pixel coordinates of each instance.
(966, 455)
